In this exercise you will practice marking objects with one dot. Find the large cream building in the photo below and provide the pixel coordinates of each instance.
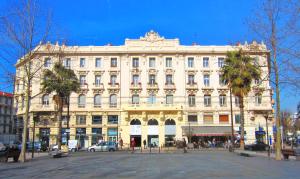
(151, 89)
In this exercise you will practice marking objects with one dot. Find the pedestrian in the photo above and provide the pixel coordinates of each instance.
(132, 145)
(214, 142)
(121, 143)
(184, 146)
(144, 143)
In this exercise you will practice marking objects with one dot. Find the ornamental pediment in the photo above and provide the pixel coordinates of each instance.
(152, 38)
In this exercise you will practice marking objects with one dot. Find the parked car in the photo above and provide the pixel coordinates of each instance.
(104, 147)
(7, 151)
(37, 146)
(258, 146)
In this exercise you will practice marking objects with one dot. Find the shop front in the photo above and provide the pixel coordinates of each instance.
(81, 137)
(136, 132)
(153, 133)
(170, 132)
(260, 134)
(112, 134)
(208, 136)
(45, 137)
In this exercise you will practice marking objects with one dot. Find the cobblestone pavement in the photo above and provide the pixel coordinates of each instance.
(194, 164)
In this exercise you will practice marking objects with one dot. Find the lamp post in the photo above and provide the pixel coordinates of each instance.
(33, 135)
(68, 120)
(231, 147)
(267, 117)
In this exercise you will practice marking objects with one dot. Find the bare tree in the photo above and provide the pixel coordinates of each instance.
(25, 28)
(276, 22)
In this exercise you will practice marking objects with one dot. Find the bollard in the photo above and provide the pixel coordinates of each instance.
(150, 148)
(141, 149)
(159, 150)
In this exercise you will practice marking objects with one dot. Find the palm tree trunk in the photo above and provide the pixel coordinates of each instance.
(242, 142)
(59, 116)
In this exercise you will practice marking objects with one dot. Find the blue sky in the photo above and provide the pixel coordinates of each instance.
(98, 22)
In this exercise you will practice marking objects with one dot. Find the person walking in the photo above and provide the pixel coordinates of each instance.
(184, 146)
(121, 143)
(132, 145)
(144, 143)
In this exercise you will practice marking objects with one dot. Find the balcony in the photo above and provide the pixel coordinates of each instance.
(97, 106)
(170, 86)
(135, 71)
(152, 107)
(152, 71)
(136, 87)
(113, 87)
(112, 105)
(191, 86)
(84, 87)
(169, 71)
(98, 87)
(152, 86)
(191, 71)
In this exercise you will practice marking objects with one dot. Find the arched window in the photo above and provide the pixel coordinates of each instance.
(45, 100)
(97, 100)
(113, 100)
(135, 122)
(152, 122)
(81, 100)
(170, 122)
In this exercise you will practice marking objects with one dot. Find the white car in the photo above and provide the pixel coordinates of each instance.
(104, 147)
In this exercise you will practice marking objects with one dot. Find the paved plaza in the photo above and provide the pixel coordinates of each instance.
(195, 164)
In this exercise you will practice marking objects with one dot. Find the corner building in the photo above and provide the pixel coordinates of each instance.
(151, 89)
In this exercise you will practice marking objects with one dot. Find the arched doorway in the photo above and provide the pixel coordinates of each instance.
(136, 132)
(170, 132)
(153, 132)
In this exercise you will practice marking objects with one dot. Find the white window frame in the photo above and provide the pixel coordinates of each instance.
(206, 80)
(82, 62)
(152, 59)
(204, 64)
(169, 99)
(135, 62)
(169, 62)
(191, 62)
(98, 62)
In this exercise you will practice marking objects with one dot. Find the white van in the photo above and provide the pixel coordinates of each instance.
(73, 145)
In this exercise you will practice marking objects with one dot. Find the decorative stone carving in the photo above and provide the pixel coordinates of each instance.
(152, 37)
(223, 90)
(98, 72)
(207, 91)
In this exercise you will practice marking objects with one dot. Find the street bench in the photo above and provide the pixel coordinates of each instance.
(291, 152)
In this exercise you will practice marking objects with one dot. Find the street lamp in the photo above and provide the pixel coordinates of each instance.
(268, 116)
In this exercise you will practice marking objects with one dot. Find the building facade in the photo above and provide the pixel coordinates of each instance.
(6, 117)
(151, 88)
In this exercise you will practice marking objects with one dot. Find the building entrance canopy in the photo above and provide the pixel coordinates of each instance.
(207, 130)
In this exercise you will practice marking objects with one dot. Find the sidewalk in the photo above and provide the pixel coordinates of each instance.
(171, 150)
(28, 156)
(259, 154)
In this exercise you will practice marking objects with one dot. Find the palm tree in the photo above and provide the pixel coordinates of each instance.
(63, 82)
(239, 71)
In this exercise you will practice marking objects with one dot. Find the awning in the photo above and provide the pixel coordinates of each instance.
(207, 130)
